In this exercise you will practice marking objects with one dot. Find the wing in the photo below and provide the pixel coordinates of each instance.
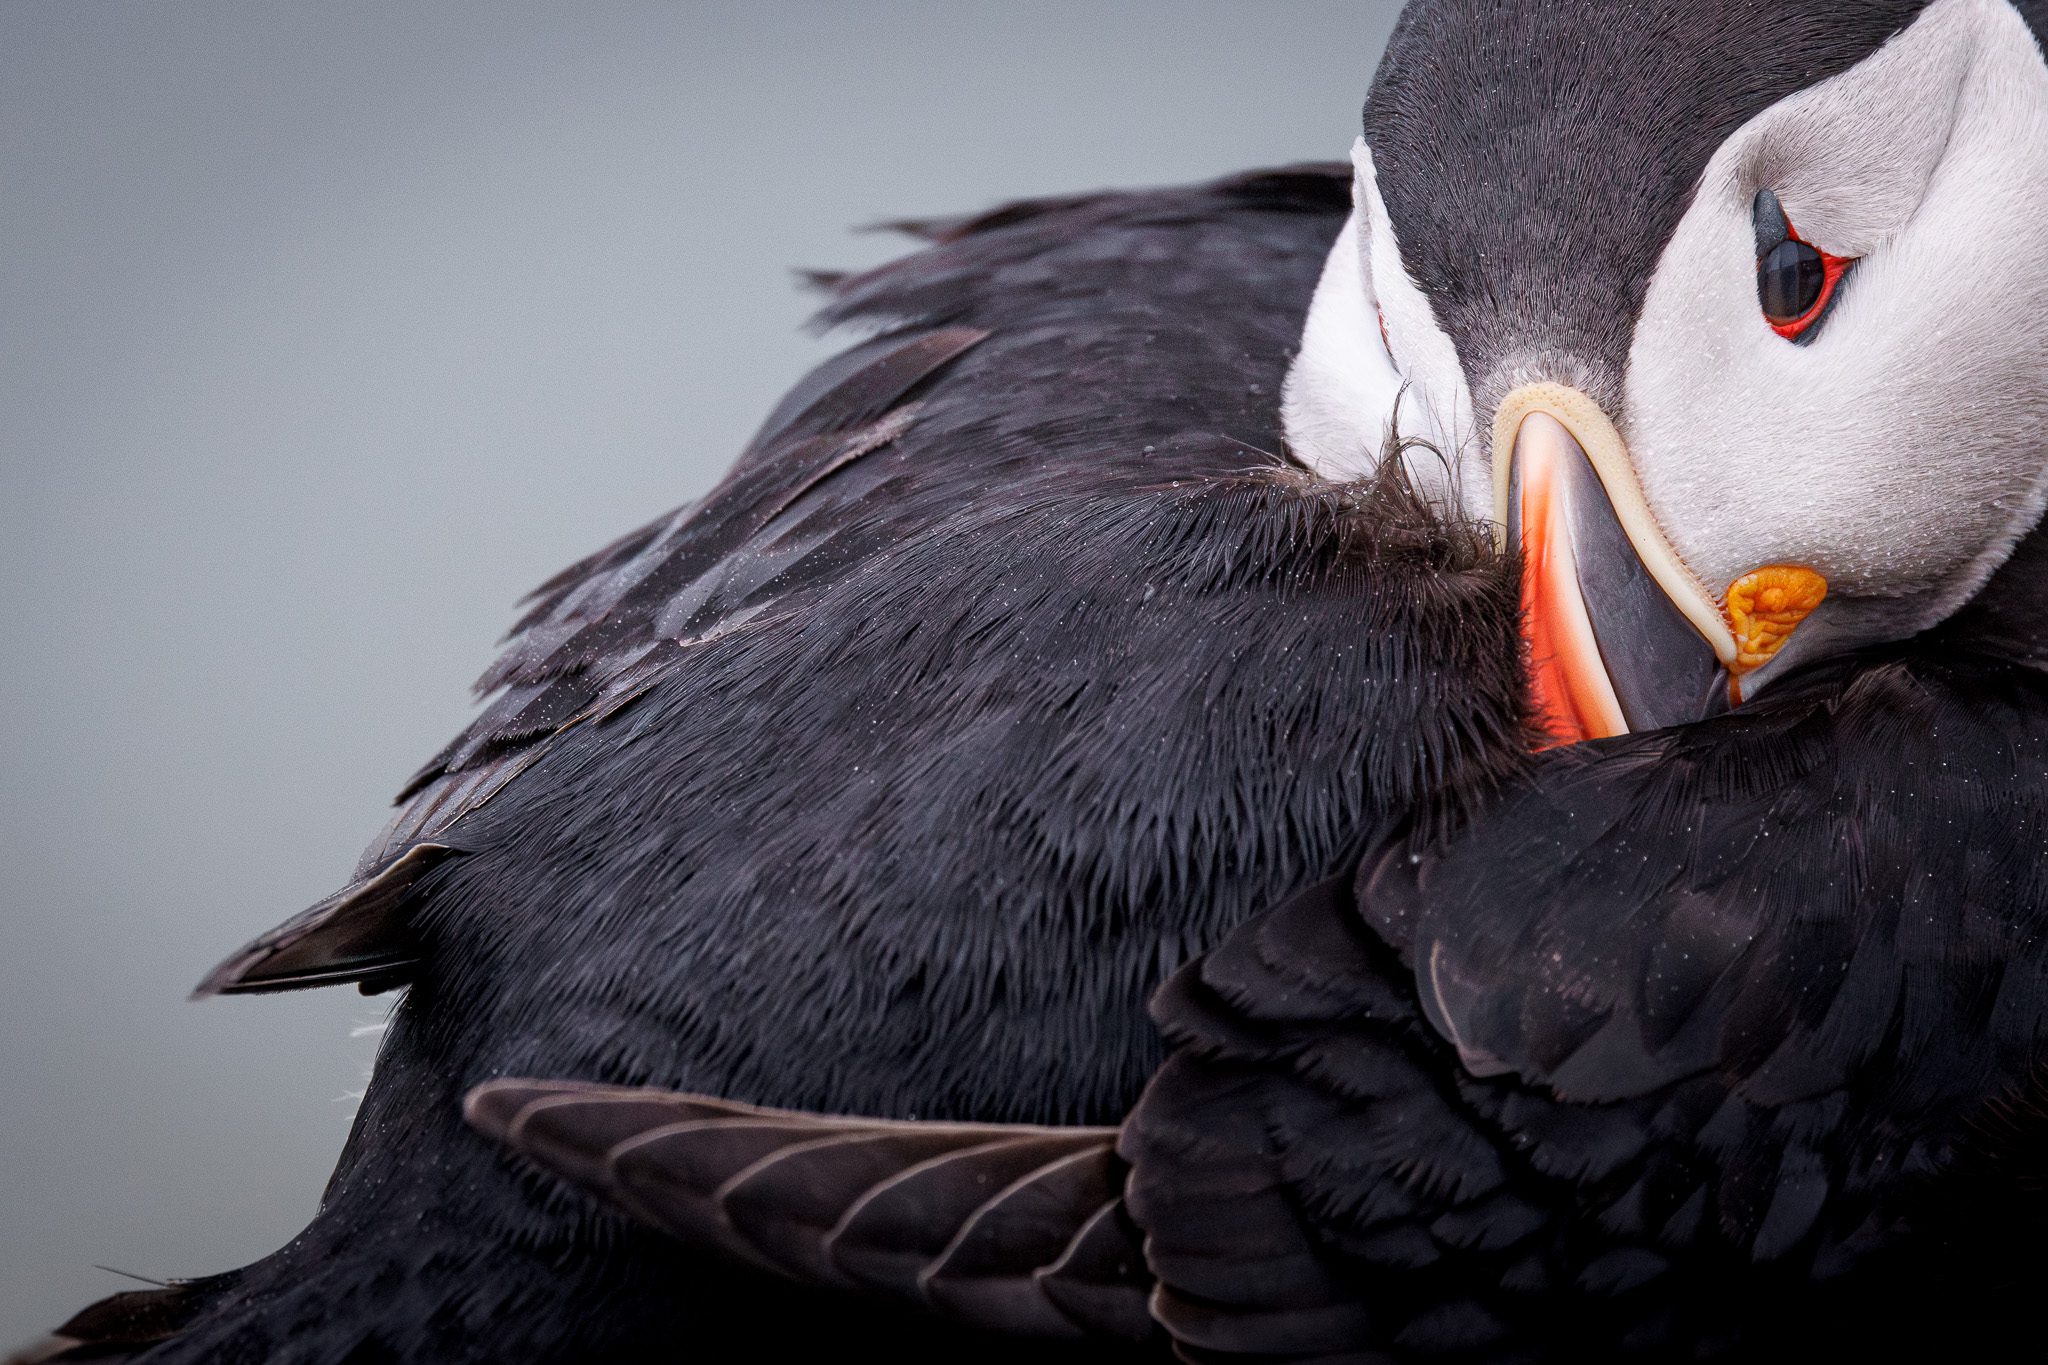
(830, 482)
(1785, 900)
(599, 633)
(1010, 1228)
(1651, 1052)
(125, 1326)
(1818, 922)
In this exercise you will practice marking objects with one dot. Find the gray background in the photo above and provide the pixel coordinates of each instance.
(328, 330)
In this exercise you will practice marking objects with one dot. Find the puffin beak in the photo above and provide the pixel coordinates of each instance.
(1622, 636)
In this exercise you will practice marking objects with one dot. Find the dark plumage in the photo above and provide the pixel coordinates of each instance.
(1014, 671)
(1702, 1040)
(1009, 668)
(1723, 1039)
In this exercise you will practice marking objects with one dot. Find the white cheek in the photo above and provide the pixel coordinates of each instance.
(1345, 394)
(1437, 405)
(1902, 452)
(1342, 388)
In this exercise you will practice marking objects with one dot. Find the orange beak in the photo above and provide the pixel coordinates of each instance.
(1573, 696)
(1621, 635)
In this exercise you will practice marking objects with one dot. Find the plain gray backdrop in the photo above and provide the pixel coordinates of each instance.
(326, 331)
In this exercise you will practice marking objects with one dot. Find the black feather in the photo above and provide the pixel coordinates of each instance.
(1004, 673)
(1711, 1039)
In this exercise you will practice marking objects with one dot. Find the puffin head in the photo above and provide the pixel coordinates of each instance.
(1733, 317)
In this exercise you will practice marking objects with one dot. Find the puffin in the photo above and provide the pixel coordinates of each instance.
(1525, 649)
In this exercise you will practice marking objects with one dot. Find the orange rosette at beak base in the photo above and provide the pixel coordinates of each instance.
(1622, 635)
(1763, 608)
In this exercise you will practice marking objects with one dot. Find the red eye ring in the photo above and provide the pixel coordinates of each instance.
(1832, 269)
(1385, 340)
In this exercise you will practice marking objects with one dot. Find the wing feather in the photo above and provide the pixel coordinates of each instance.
(596, 638)
(359, 934)
(1013, 1228)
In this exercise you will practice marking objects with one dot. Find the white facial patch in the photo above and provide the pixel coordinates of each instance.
(1345, 385)
(1904, 450)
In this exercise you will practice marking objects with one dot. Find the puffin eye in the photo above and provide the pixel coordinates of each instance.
(1789, 281)
(1796, 282)
(1385, 340)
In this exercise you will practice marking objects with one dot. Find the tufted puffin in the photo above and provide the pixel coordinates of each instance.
(1572, 749)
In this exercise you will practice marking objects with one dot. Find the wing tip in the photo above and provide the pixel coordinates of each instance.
(50, 1348)
(361, 936)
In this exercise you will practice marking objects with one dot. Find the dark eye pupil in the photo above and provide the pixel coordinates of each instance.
(1789, 280)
